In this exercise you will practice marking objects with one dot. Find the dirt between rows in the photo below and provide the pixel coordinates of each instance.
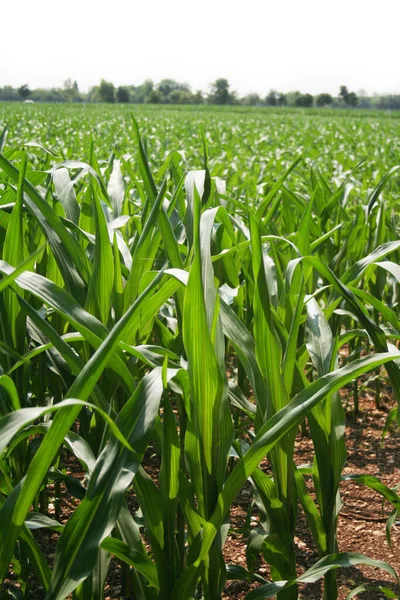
(361, 525)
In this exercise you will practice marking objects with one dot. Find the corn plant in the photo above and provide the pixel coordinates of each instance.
(124, 290)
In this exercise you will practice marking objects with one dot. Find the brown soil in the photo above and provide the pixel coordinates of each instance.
(361, 526)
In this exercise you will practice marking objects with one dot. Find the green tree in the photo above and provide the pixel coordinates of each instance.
(324, 100)
(48, 95)
(107, 91)
(153, 97)
(251, 100)
(198, 97)
(281, 100)
(291, 98)
(181, 97)
(93, 94)
(24, 91)
(141, 93)
(349, 98)
(220, 93)
(9, 93)
(123, 95)
(304, 100)
(352, 99)
(71, 90)
(272, 98)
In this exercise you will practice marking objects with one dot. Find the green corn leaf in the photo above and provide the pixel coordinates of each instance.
(332, 561)
(135, 559)
(383, 182)
(102, 277)
(93, 331)
(70, 258)
(13, 512)
(14, 253)
(115, 468)
(276, 427)
(65, 191)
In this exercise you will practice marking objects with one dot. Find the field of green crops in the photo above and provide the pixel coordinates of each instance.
(181, 292)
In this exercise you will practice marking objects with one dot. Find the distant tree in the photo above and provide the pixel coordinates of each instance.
(140, 93)
(107, 91)
(351, 99)
(5, 93)
(281, 100)
(291, 98)
(272, 98)
(147, 87)
(177, 97)
(93, 94)
(390, 102)
(324, 100)
(166, 86)
(71, 90)
(251, 100)
(153, 97)
(173, 92)
(123, 95)
(48, 95)
(198, 97)
(364, 101)
(24, 91)
(304, 100)
(182, 97)
(220, 93)
(9, 93)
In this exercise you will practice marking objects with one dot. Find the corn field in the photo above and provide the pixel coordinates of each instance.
(195, 288)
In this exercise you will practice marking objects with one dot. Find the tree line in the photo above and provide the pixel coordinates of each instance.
(169, 91)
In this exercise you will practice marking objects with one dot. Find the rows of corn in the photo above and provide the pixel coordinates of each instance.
(198, 306)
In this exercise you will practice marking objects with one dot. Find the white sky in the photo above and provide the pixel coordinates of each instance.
(310, 45)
